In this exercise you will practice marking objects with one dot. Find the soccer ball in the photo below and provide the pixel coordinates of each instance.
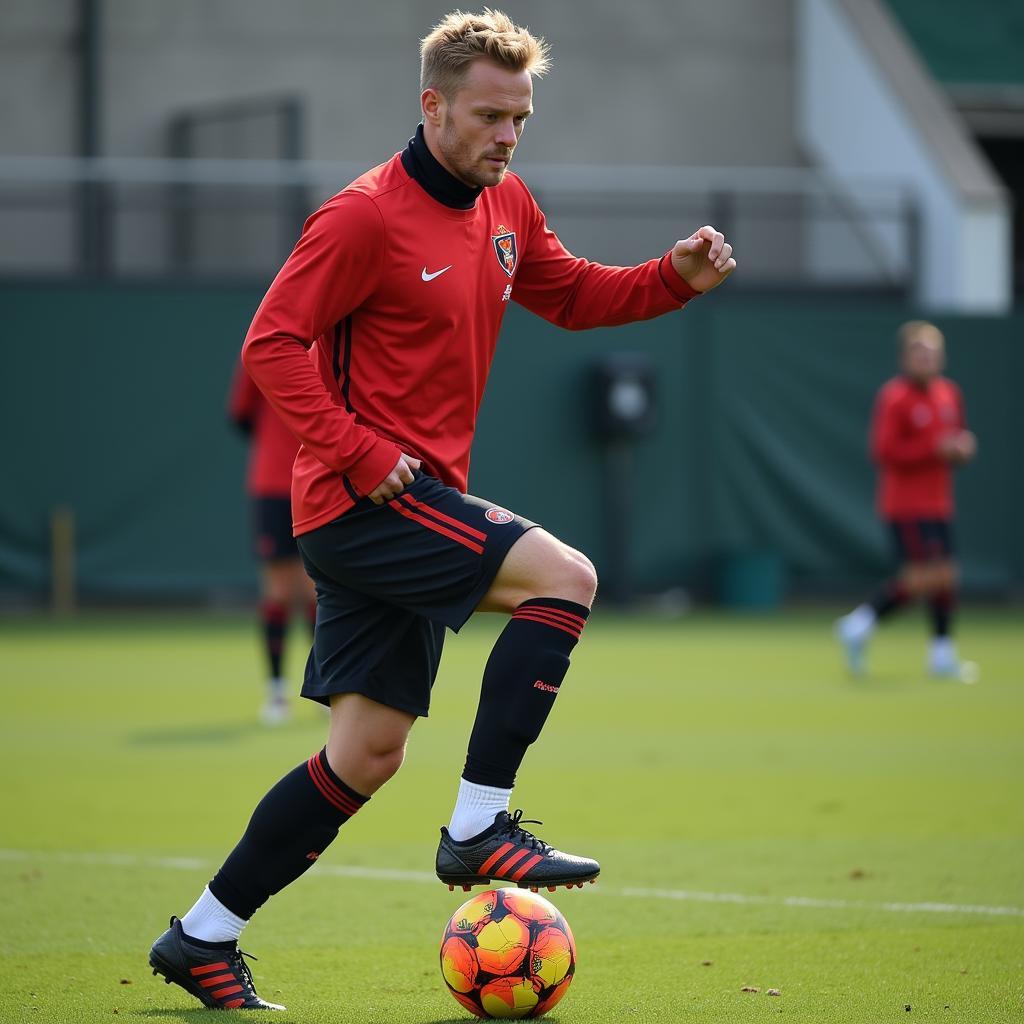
(508, 953)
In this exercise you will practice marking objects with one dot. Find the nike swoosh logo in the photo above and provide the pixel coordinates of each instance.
(436, 273)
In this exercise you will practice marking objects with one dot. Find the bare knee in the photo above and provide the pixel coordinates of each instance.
(365, 766)
(278, 585)
(562, 572)
(382, 764)
(579, 580)
(366, 744)
(945, 576)
(540, 565)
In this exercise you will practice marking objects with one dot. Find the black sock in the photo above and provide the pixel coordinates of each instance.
(291, 826)
(893, 595)
(941, 607)
(521, 680)
(274, 616)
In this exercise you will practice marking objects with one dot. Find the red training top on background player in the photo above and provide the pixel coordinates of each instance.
(918, 435)
(283, 581)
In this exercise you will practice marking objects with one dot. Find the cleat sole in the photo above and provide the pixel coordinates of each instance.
(467, 883)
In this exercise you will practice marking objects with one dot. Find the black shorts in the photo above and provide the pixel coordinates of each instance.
(922, 540)
(389, 579)
(272, 529)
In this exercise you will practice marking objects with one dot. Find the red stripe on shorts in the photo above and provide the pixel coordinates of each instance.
(431, 525)
(450, 520)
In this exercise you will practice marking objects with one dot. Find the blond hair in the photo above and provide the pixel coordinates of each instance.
(913, 329)
(459, 39)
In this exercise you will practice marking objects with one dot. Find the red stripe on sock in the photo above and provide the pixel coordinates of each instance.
(576, 627)
(569, 617)
(436, 527)
(495, 857)
(575, 634)
(512, 861)
(208, 969)
(552, 613)
(274, 612)
(450, 520)
(339, 799)
(532, 862)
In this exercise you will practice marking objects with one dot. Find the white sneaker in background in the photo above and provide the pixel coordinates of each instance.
(943, 662)
(853, 631)
(276, 710)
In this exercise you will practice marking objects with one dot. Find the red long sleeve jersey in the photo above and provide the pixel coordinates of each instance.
(273, 446)
(401, 299)
(914, 481)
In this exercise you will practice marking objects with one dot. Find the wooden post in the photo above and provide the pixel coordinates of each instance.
(62, 560)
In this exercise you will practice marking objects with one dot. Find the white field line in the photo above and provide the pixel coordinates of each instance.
(398, 875)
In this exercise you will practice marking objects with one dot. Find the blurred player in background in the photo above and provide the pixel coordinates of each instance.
(283, 581)
(399, 285)
(918, 436)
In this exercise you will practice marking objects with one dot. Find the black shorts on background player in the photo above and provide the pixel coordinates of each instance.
(389, 579)
(922, 540)
(272, 528)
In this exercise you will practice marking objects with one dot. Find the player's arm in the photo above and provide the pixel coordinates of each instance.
(243, 400)
(960, 445)
(577, 294)
(334, 267)
(890, 446)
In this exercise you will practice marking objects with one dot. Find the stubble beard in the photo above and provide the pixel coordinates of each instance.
(460, 159)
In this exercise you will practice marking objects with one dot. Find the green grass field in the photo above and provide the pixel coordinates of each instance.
(762, 821)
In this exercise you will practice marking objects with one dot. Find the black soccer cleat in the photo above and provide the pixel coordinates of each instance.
(506, 852)
(218, 978)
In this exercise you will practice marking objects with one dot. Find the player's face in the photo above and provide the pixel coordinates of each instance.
(923, 358)
(480, 125)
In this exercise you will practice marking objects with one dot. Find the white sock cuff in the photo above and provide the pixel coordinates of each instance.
(210, 921)
(475, 809)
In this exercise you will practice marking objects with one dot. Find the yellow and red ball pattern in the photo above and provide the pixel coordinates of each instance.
(508, 953)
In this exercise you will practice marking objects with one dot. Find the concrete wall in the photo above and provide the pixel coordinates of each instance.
(652, 82)
(37, 108)
(866, 107)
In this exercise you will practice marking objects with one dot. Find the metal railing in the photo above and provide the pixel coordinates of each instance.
(204, 219)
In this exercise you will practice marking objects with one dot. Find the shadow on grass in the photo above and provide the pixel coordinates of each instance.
(198, 1013)
(468, 1020)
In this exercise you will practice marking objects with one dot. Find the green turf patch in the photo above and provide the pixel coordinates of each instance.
(763, 822)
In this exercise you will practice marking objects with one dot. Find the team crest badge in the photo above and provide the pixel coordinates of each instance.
(499, 516)
(505, 249)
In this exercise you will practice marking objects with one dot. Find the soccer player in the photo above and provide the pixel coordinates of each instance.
(398, 286)
(918, 436)
(283, 581)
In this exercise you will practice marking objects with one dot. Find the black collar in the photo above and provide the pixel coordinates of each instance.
(439, 184)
